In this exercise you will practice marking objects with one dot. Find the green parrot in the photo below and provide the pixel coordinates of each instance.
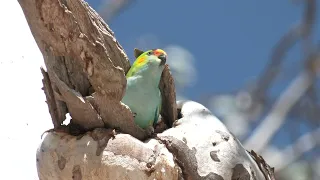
(142, 93)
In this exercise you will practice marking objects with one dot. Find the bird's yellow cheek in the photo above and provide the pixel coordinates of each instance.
(141, 60)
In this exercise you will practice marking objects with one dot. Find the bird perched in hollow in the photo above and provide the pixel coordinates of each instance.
(142, 93)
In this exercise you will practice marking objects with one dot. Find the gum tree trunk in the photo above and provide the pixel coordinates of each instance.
(85, 77)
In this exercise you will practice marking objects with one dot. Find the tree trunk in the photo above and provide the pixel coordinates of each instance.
(85, 77)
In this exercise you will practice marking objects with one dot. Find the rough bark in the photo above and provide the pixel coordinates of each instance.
(85, 77)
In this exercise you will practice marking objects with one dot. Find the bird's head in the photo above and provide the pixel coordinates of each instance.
(155, 56)
(148, 61)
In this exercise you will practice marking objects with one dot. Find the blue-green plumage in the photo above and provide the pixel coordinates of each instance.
(142, 93)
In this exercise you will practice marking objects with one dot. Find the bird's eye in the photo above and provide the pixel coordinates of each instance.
(149, 53)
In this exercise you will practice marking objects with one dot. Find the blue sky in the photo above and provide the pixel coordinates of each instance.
(230, 40)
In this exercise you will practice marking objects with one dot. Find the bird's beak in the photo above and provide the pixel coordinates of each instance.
(163, 59)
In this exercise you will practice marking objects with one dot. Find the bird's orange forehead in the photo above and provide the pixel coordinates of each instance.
(158, 52)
